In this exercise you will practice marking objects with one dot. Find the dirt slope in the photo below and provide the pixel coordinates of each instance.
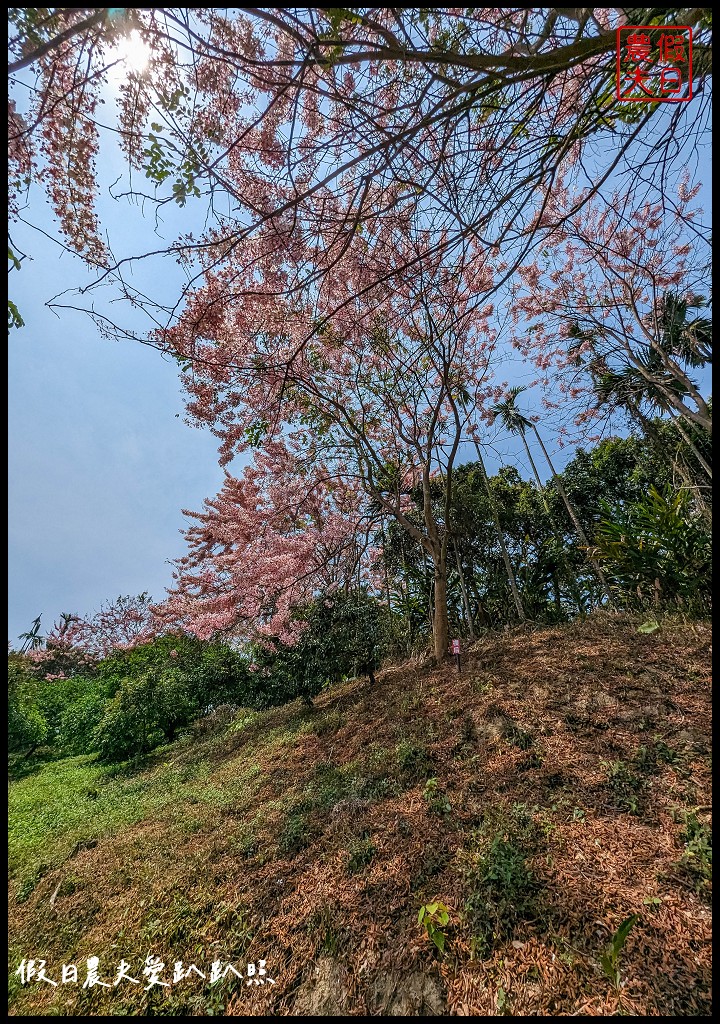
(554, 788)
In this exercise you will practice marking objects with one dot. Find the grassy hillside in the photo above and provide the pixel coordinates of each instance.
(557, 786)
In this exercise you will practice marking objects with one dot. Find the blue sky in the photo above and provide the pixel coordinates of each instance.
(100, 460)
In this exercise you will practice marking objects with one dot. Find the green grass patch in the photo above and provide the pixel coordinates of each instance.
(502, 889)
(296, 834)
(77, 800)
(325, 927)
(414, 760)
(359, 855)
(628, 781)
(696, 861)
(626, 785)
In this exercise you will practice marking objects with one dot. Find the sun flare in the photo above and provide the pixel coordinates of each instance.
(132, 52)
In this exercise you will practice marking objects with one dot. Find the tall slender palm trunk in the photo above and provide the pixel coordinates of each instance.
(385, 565)
(501, 539)
(574, 519)
(690, 443)
(556, 530)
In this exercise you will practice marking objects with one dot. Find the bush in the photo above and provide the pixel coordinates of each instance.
(27, 725)
(344, 634)
(503, 889)
(213, 673)
(143, 713)
(129, 701)
(80, 719)
(657, 549)
(342, 637)
(218, 677)
(414, 760)
(58, 696)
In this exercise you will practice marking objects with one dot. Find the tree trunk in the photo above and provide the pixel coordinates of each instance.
(558, 533)
(501, 539)
(440, 618)
(463, 591)
(575, 521)
(405, 590)
(677, 422)
(387, 575)
(557, 598)
(478, 600)
(431, 609)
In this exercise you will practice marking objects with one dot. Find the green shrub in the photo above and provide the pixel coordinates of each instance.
(656, 549)
(627, 787)
(27, 725)
(79, 721)
(342, 637)
(57, 695)
(280, 674)
(414, 760)
(648, 758)
(436, 798)
(359, 855)
(212, 672)
(143, 713)
(503, 889)
(696, 861)
(434, 918)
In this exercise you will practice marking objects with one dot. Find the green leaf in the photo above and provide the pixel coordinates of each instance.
(14, 318)
(608, 966)
(649, 627)
(622, 933)
(610, 959)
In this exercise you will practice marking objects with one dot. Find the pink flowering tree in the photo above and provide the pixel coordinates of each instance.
(271, 540)
(296, 131)
(358, 183)
(604, 311)
(375, 400)
(75, 644)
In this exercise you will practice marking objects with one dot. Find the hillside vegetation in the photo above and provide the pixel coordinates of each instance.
(531, 805)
